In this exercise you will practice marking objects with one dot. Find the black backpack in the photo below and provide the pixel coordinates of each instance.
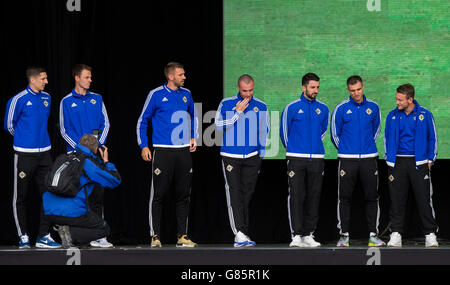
(64, 176)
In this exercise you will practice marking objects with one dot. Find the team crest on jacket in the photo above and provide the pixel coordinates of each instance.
(291, 174)
(368, 111)
(185, 99)
(45, 103)
(421, 117)
(157, 171)
(93, 102)
(22, 175)
(229, 168)
(318, 111)
(256, 109)
(342, 173)
(391, 178)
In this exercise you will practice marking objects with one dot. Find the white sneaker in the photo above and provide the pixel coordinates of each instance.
(308, 241)
(103, 243)
(430, 240)
(396, 240)
(240, 239)
(296, 241)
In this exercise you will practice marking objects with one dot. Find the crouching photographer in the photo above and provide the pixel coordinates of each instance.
(69, 184)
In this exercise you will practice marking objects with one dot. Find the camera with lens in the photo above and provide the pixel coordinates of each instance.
(97, 133)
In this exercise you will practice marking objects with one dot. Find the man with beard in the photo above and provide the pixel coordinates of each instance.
(173, 142)
(304, 124)
(411, 149)
(355, 126)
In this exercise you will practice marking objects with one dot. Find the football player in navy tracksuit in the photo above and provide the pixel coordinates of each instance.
(171, 112)
(83, 112)
(411, 149)
(75, 220)
(304, 123)
(355, 126)
(26, 119)
(244, 121)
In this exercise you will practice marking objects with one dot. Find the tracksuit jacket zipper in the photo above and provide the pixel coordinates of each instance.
(309, 125)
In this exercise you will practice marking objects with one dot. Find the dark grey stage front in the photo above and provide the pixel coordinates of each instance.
(413, 252)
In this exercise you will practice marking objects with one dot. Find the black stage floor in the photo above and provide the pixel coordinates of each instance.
(413, 252)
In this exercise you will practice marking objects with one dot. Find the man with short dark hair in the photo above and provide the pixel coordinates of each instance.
(76, 223)
(170, 111)
(355, 126)
(244, 120)
(411, 149)
(78, 69)
(26, 119)
(83, 112)
(304, 123)
(170, 68)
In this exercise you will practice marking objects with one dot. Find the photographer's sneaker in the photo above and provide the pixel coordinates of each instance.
(296, 241)
(24, 242)
(184, 241)
(430, 240)
(46, 242)
(375, 241)
(344, 241)
(64, 234)
(308, 241)
(395, 240)
(156, 242)
(101, 243)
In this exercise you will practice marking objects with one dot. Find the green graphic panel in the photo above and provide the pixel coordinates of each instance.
(386, 42)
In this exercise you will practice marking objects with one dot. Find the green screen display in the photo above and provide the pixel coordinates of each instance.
(386, 42)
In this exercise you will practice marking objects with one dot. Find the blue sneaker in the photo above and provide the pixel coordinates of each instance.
(46, 242)
(24, 242)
